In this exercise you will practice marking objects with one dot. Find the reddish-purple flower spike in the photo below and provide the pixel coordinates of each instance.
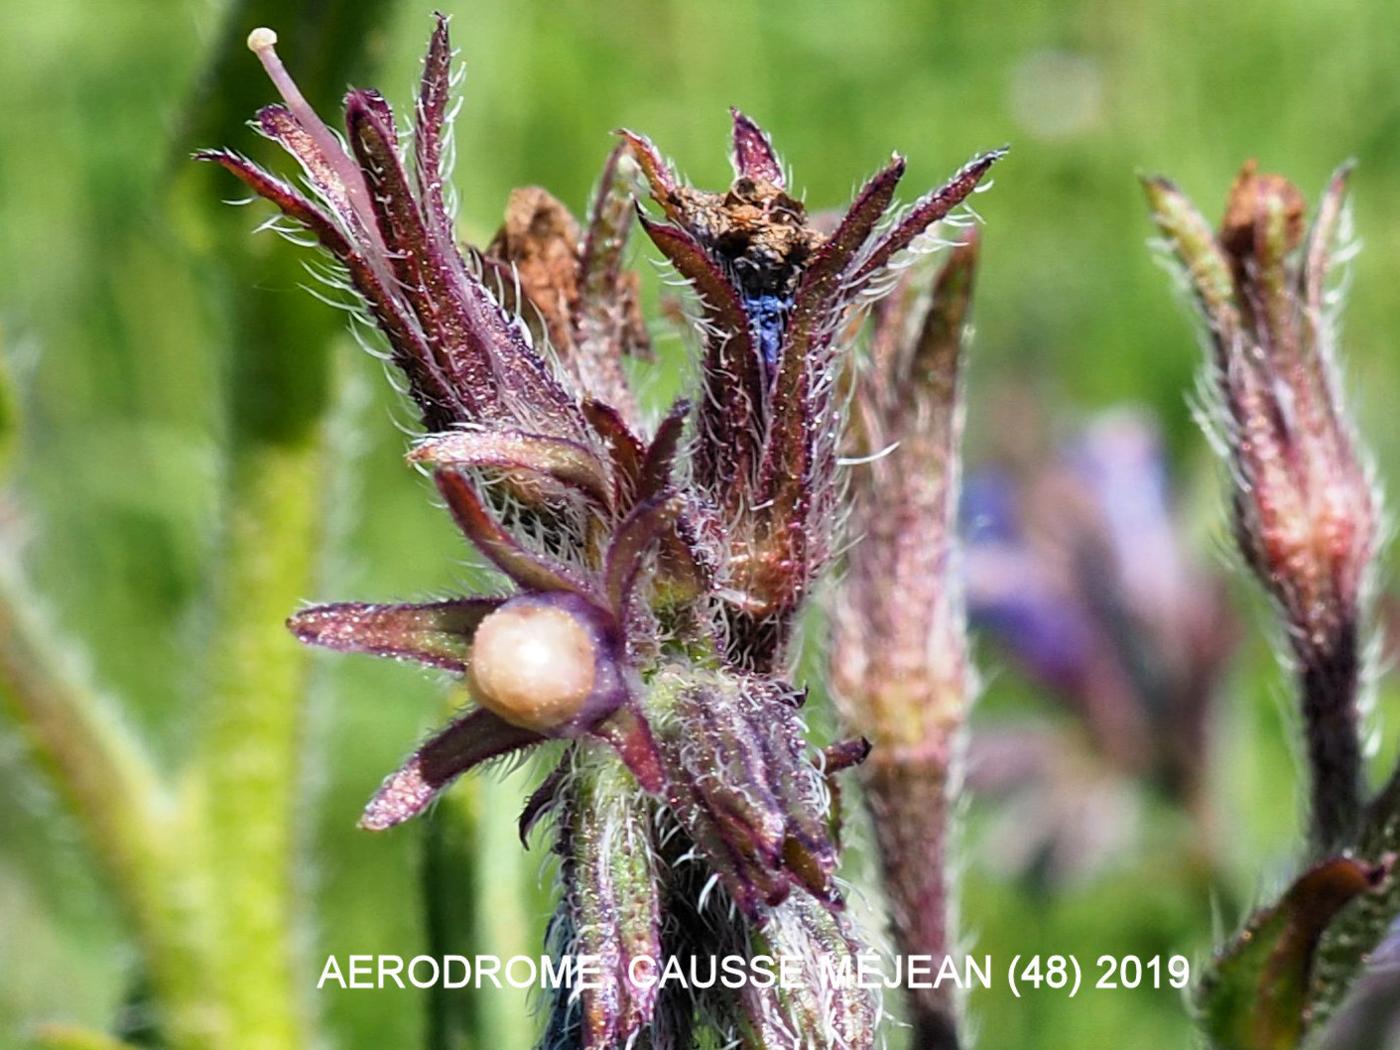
(775, 293)
(610, 636)
(1305, 512)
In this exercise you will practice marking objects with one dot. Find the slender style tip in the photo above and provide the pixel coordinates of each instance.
(262, 39)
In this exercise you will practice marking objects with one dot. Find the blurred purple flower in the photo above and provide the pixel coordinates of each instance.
(1075, 567)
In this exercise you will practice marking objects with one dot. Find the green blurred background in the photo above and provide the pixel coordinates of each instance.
(126, 290)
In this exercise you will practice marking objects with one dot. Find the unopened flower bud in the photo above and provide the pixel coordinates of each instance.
(1305, 513)
(820, 1008)
(613, 896)
(741, 786)
(899, 664)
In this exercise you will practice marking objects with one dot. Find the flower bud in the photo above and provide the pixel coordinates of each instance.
(823, 1007)
(738, 781)
(1305, 513)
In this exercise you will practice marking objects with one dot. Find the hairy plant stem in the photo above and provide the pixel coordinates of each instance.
(909, 793)
(250, 766)
(1328, 682)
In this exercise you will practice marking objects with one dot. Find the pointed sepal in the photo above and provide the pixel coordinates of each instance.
(438, 634)
(751, 152)
(471, 740)
(532, 571)
(537, 456)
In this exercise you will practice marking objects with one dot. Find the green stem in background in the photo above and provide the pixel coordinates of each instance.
(503, 920)
(451, 887)
(107, 778)
(71, 1037)
(278, 389)
(474, 908)
(133, 825)
(9, 414)
(475, 902)
(250, 767)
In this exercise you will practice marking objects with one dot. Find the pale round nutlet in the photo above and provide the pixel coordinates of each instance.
(533, 665)
(261, 38)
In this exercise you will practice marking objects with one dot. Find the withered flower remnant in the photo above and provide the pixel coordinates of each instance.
(1078, 566)
(579, 297)
(775, 295)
